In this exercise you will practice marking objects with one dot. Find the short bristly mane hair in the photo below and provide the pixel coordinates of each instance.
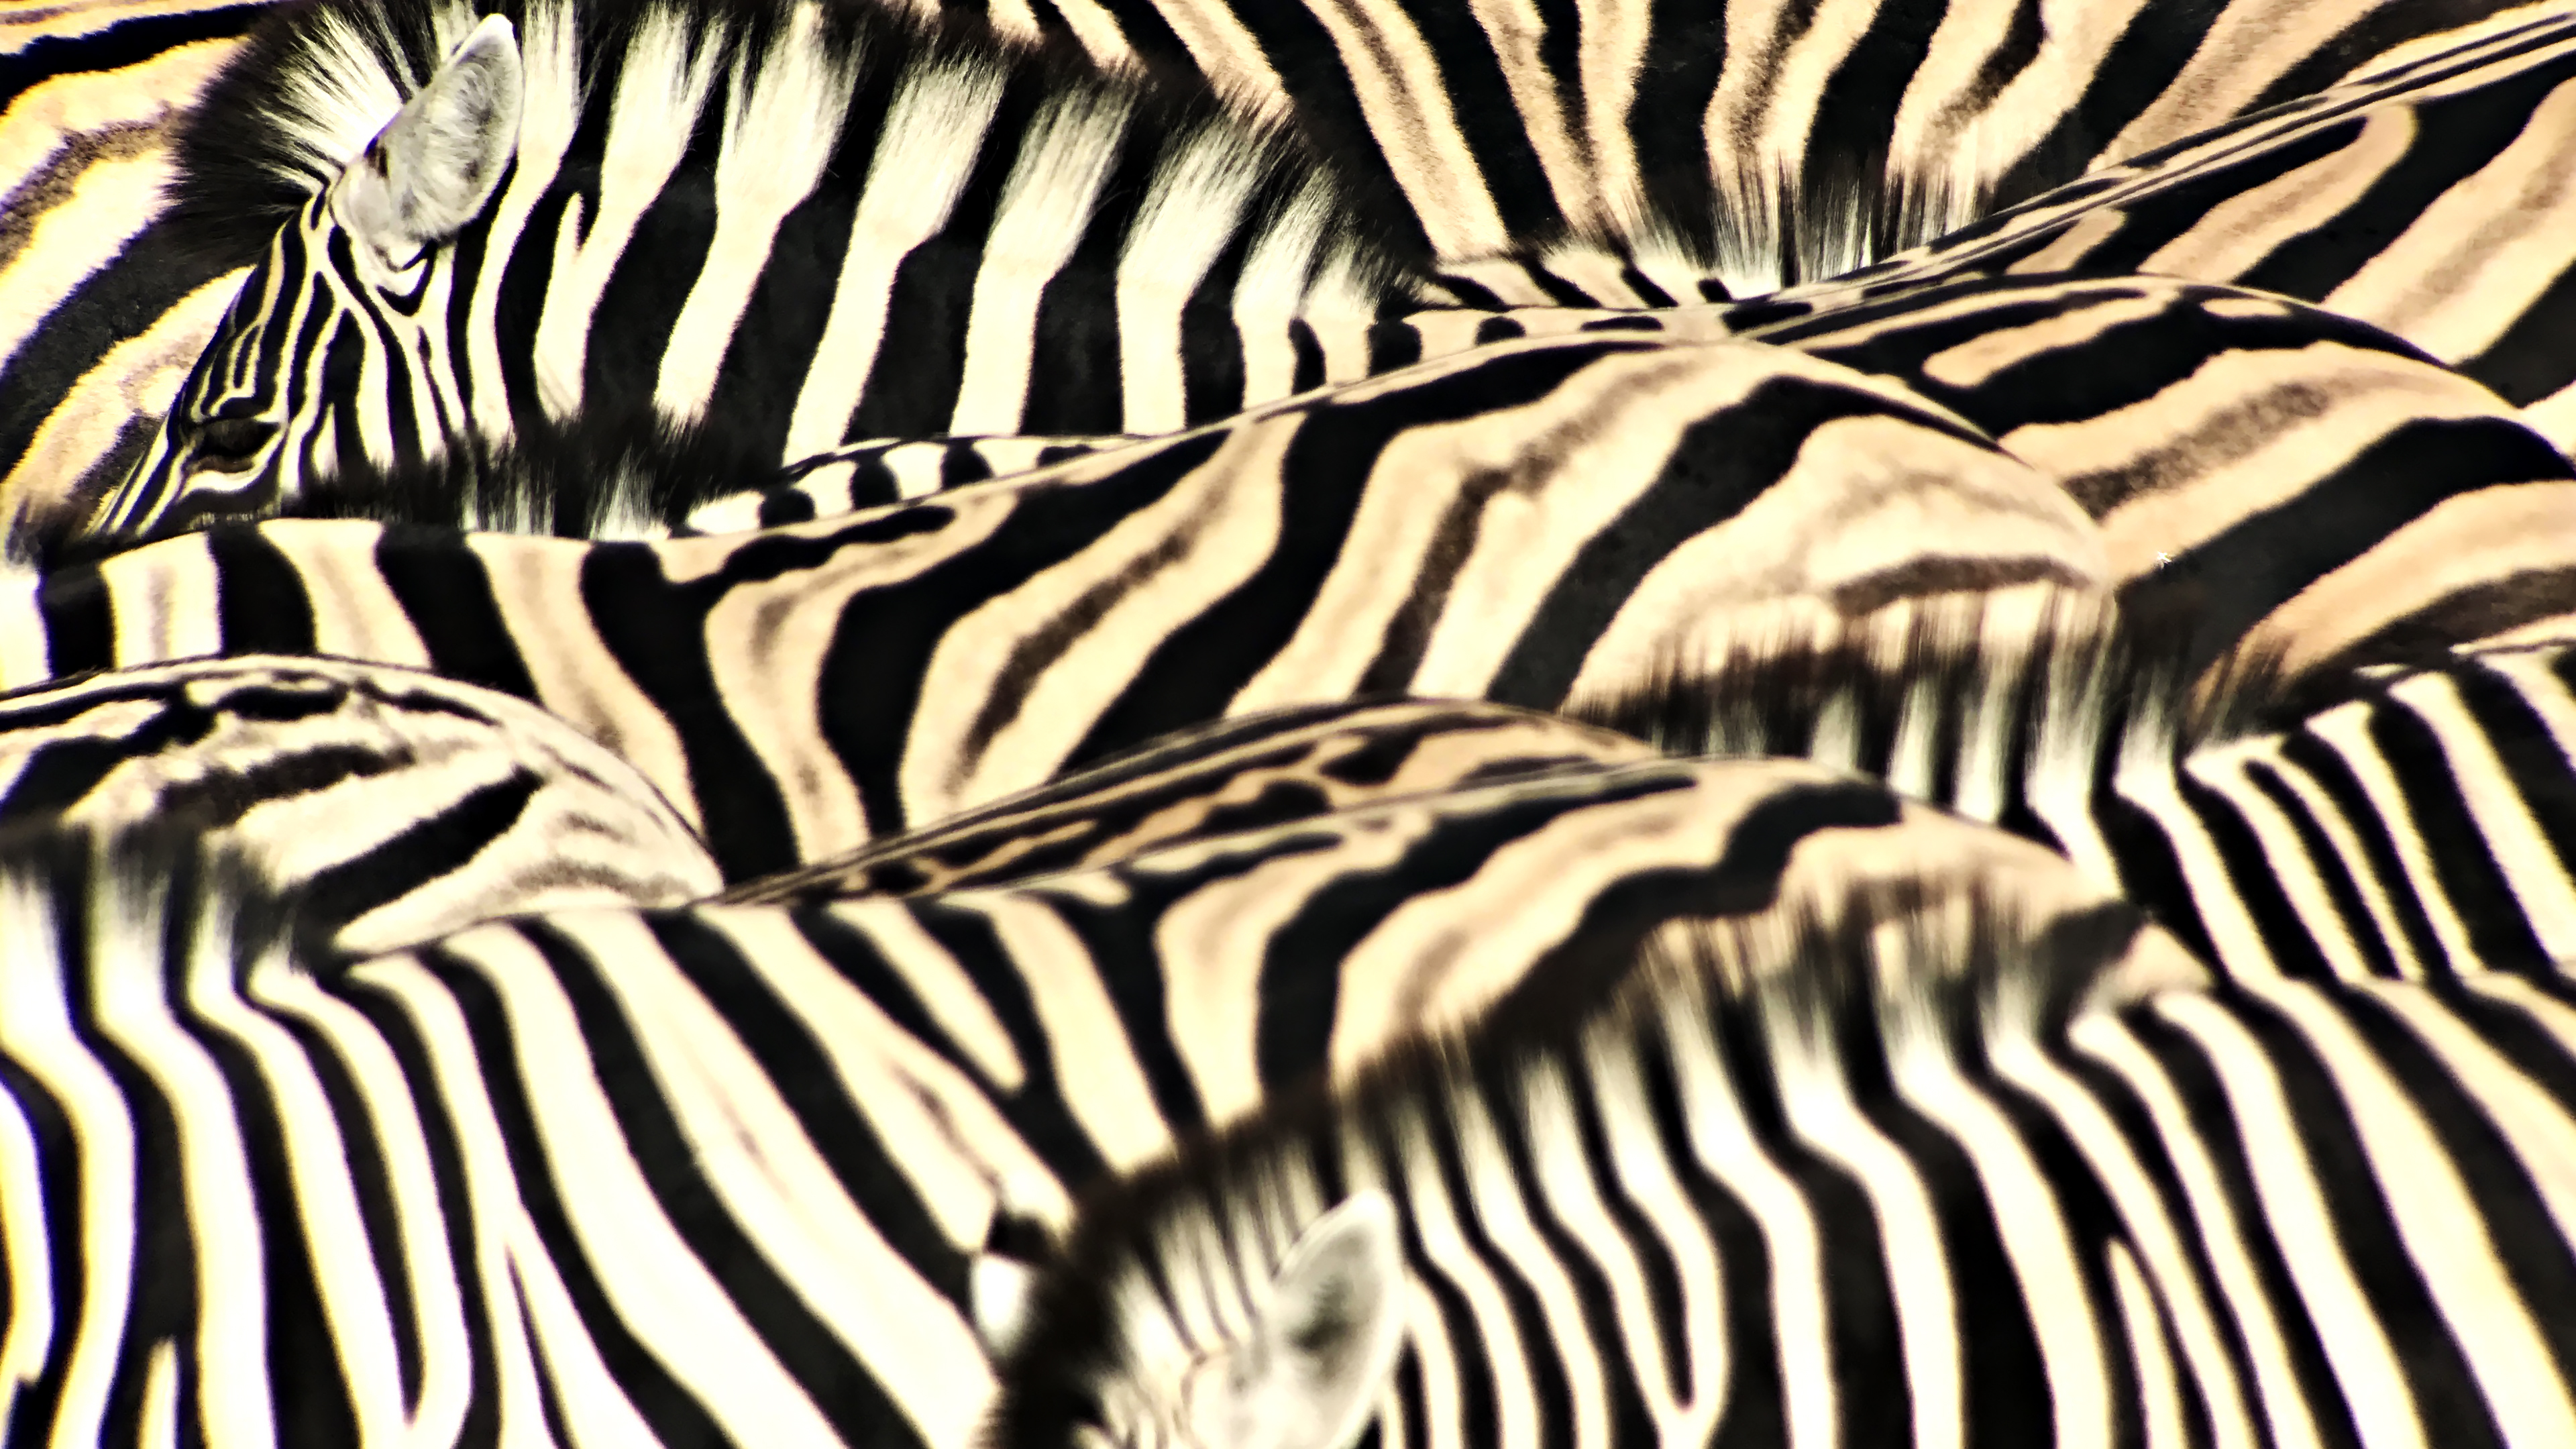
(315, 82)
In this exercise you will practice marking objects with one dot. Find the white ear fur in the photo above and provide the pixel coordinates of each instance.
(1326, 1343)
(999, 1293)
(435, 166)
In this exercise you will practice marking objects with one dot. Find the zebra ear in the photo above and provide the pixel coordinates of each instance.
(1325, 1345)
(432, 170)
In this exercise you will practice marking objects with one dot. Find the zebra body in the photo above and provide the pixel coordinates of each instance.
(2414, 824)
(1540, 515)
(102, 313)
(1960, 1178)
(391, 806)
(717, 1175)
(2426, 195)
(1257, 772)
(754, 386)
(2306, 482)
(878, 230)
(1632, 150)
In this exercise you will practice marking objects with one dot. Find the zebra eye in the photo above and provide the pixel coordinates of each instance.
(232, 445)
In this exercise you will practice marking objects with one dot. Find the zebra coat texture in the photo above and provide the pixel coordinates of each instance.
(1911, 1176)
(718, 1175)
(767, 229)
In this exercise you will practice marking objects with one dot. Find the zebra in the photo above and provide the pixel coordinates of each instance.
(101, 314)
(719, 1174)
(1646, 156)
(1939, 1176)
(167, 489)
(1255, 772)
(2176, 411)
(1500, 529)
(2407, 822)
(2424, 195)
(885, 229)
(390, 805)
(2173, 412)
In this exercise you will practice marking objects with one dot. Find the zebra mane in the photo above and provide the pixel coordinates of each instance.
(315, 83)
(1857, 980)
(600, 474)
(2008, 660)
(87, 898)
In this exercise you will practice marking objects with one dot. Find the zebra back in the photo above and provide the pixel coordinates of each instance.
(390, 805)
(718, 1174)
(2424, 195)
(1958, 1176)
(1503, 527)
(1253, 773)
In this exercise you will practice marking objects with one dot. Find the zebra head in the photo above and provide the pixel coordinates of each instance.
(1305, 1368)
(284, 392)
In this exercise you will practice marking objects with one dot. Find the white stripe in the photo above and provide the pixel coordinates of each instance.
(37, 1037)
(1729, 1151)
(2244, 1303)
(753, 1153)
(222, 1213)
(660, 92)
(1192, 206)
(391, 1124)
(654, 1282)
(932, 135)
(510, 1263)
(2440, 1222)
(1065, 158)
(781, 124)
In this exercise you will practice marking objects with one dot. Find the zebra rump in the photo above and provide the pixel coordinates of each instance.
(389, 805)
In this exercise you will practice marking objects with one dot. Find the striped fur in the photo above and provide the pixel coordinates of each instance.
(101, 312)
(392, 806)
(1252, 773)
(771, 226)
(717, 1175)
(1629, 149)
(2428, 196)
(1539, 518)
(1848, 1183)
(872, 474)
(2265, 461)
(2413, 824)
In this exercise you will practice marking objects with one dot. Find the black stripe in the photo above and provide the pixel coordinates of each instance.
(447, 597)
(80, 619)
(872, 675)
(656, 632)
(124, 41)
(2210, 1120)
(1203, 662)
(1719, 465)
(669, 1410)
(2454, 137)
(802, 1345)
(259, 596)
(2264, 560)
(114, 304)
